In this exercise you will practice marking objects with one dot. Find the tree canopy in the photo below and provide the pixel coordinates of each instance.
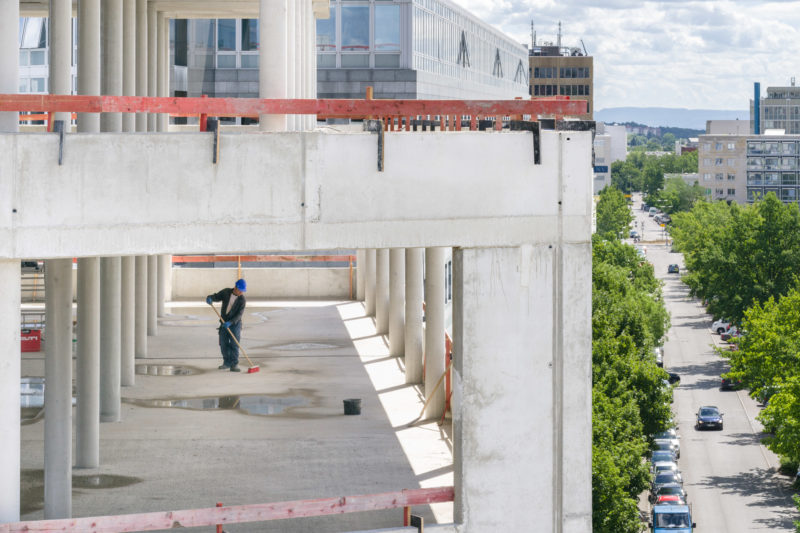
(613, 214)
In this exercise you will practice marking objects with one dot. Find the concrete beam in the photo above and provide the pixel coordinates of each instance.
(9, 389)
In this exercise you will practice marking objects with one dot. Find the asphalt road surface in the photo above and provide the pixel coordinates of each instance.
(730, 478)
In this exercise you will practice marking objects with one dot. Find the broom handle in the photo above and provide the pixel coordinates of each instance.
(232, 335)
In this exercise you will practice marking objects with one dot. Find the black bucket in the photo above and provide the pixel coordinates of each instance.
(352, 406)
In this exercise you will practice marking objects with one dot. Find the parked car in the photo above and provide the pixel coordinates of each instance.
(672, 435)
(669, 499)
(673, 489)
(666, 219)
(730, 384)
(659, 356)
(667, 466)
(660, 456)
(673, 269)
(673, 378)
(661, 479)
(633, 234)
(652, 212)
(708, 417)
(668, 444)
(732, 333)
(720, 326)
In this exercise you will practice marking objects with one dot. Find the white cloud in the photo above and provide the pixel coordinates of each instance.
(669, 53)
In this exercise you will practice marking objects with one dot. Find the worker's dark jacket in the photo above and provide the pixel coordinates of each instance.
(236, 312)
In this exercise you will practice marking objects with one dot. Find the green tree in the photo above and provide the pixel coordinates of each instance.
(625, 176)
(652, 176)
(678, 195)
(613, 214)
(668, 142)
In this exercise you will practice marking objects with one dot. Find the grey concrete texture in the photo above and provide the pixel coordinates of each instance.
(177, 458)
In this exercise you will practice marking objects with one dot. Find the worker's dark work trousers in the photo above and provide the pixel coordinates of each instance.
(228, 347)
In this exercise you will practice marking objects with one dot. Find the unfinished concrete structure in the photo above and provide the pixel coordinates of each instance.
(515, 207)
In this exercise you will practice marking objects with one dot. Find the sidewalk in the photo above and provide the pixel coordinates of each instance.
(226, 448)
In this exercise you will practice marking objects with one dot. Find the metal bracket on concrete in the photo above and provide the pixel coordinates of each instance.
(417, 522)
(58, 127)
(376, 126)
(214, 128)
(534, 128)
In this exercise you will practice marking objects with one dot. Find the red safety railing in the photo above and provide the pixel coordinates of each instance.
(401, 113)
(239, 514)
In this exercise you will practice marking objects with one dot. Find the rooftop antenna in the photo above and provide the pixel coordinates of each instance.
(533, 35)
(792, 81)
(559, 35)
(584, 49)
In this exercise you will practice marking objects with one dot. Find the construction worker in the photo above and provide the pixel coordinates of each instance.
(233, 304)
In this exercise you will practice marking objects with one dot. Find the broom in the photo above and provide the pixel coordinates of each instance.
(253, 368)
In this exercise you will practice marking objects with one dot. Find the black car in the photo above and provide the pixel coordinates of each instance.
(674, 489)
(708, 417)
(673, 269)
(730, 384)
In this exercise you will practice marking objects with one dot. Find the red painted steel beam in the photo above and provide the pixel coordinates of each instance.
(261, 258)
(234, 107)
(238, 514)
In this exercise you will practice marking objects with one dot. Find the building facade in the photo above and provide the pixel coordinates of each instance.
(721, 167)
(780, 110)
(562, 71)
(610, 145)
(773, 163)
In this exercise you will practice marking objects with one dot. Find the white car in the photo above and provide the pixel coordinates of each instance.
(720, 326)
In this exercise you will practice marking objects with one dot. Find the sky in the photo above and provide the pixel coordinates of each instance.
(695, 54)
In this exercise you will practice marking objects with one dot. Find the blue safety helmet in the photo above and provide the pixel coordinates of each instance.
(241, 285)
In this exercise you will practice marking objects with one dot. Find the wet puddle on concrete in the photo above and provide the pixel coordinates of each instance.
(249, 404)
(166, 370)
(32, 486)
(300, 346)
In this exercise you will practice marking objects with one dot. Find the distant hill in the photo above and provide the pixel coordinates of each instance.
(666, 116)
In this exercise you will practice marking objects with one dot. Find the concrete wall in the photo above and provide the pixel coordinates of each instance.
(194, 283)
(121, 194)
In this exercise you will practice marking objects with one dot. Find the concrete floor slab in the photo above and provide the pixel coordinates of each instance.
(318, 353)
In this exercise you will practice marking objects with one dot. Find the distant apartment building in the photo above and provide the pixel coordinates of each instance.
(722, 167)
(610, 145)
(773, 163)
(562, 71)
(779, 110)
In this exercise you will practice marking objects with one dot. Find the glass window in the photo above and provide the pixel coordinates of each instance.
(226, 35)
(387, 28)
(326, 33)
(788, 178)
(37, 57)
(772, 178)
(718, 162)
(387, 60)
(204, 33)
(731, 177)
(249, 34)
(24, 86)
(789, 195)
(355, 28)
(24, 61)
(719, 177)
(355, 60)
(249, 60)
(731, 146)
(706, 147)
(326, 60)
(731, 192)
(37, 85)
(755, 178)
(226, 61)
(718, 147)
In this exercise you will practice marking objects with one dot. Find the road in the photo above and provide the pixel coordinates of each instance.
(730, 477)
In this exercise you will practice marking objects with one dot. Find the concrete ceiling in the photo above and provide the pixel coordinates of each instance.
(186, 8)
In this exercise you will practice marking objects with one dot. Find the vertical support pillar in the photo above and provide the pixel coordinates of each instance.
(152, 295)
(140, 323)
(87, 382)
(361, 258)
(369, 282)
(112, 60)
(397, 301)
(128, 320)
(272, 21)
(89, 60)
(164, 278)
(10, 372)
(162, 65)
(291, 59)
(152, 60)
(434, 331)
(129, 59)
(58, 390)
(110, 322)
(382, 291)
(413, 315)
(60, 22)
(9, 73)
(141, 59)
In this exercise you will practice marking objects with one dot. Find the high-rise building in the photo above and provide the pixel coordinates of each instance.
(779, 110)
(557, 70)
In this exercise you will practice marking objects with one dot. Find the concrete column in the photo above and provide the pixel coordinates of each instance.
(128, 322)
(152, 60)
(272, 76)
(413, 315)
(434, 330)
(152, 295)
(397, 301)
(164, 275)
(112, 60)
(9, 78)
(110, 338)
(60, 22)
(58, 390)
(140, 323)
(382, 291)
(162, 66)
(129, 59)
(89, 60)
(87, 365)
(9, 380)
(291, 59)
(369, 282)
(361, 258)
(508, 346)
(141, 59)
(299, 60)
